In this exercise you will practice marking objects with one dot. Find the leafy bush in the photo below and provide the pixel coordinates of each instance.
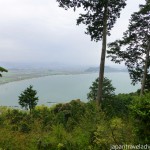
(118, 105)
(140, 111)
(43, 115)
(28, 98)
(77, 125)
(107, 90)
(69, 114)
(113, 132)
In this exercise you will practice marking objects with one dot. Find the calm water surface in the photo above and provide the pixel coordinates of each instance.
(62, 88)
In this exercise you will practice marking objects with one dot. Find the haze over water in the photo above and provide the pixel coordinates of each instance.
(62, 88)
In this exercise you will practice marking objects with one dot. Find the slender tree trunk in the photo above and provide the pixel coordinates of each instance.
(145, 69)
(102, 62)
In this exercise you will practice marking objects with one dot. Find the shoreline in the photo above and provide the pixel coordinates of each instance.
(46, 75)
(39, 76)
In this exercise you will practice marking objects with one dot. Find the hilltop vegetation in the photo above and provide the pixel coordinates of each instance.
(77, 126)
(107, 119)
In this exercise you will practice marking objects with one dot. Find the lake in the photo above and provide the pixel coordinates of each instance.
(62, 88)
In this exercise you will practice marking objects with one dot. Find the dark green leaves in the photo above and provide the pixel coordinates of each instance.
(28, 99)
(133, 47)
(2, 70)
(94, 14)
(108, 90)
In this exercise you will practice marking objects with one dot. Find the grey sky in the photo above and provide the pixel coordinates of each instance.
(39, 31)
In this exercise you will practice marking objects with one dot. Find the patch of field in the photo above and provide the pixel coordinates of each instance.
(21, 74)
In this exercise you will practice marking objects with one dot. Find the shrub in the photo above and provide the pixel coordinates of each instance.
(140, 111)
(118, 105)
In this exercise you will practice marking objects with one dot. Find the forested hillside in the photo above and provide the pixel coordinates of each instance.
(107, 121)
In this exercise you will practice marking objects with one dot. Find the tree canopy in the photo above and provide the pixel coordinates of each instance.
(94, 14)
(134, 47)
(108, 90)
(99, 17)
(2, 70)
(28, 98)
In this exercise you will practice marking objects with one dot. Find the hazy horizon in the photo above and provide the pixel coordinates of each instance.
(40, 32)
(52, 65)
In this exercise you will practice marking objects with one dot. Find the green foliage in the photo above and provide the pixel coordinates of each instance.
(77, 125)
(113, 105)
(118, 105)
(55, 140)
(134, 47)
(94, 14)
(28, 99)
(140, 110)
(2, 70)
(45, 116)
(107, 89)
(19, 121)
(113, 132)
(99, 17)
(69, 114)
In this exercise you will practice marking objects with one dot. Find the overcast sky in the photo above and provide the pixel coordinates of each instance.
(38, 31)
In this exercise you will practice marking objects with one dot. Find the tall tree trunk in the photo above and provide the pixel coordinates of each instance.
(145, 69)
(103, 54)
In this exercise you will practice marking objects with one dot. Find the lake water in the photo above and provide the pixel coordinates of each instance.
(62, 88)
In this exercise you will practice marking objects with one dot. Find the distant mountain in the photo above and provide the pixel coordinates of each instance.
(39, 66)
(107, 69)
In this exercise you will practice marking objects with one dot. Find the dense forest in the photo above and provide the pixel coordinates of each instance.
(122, 120)
(107, 121)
